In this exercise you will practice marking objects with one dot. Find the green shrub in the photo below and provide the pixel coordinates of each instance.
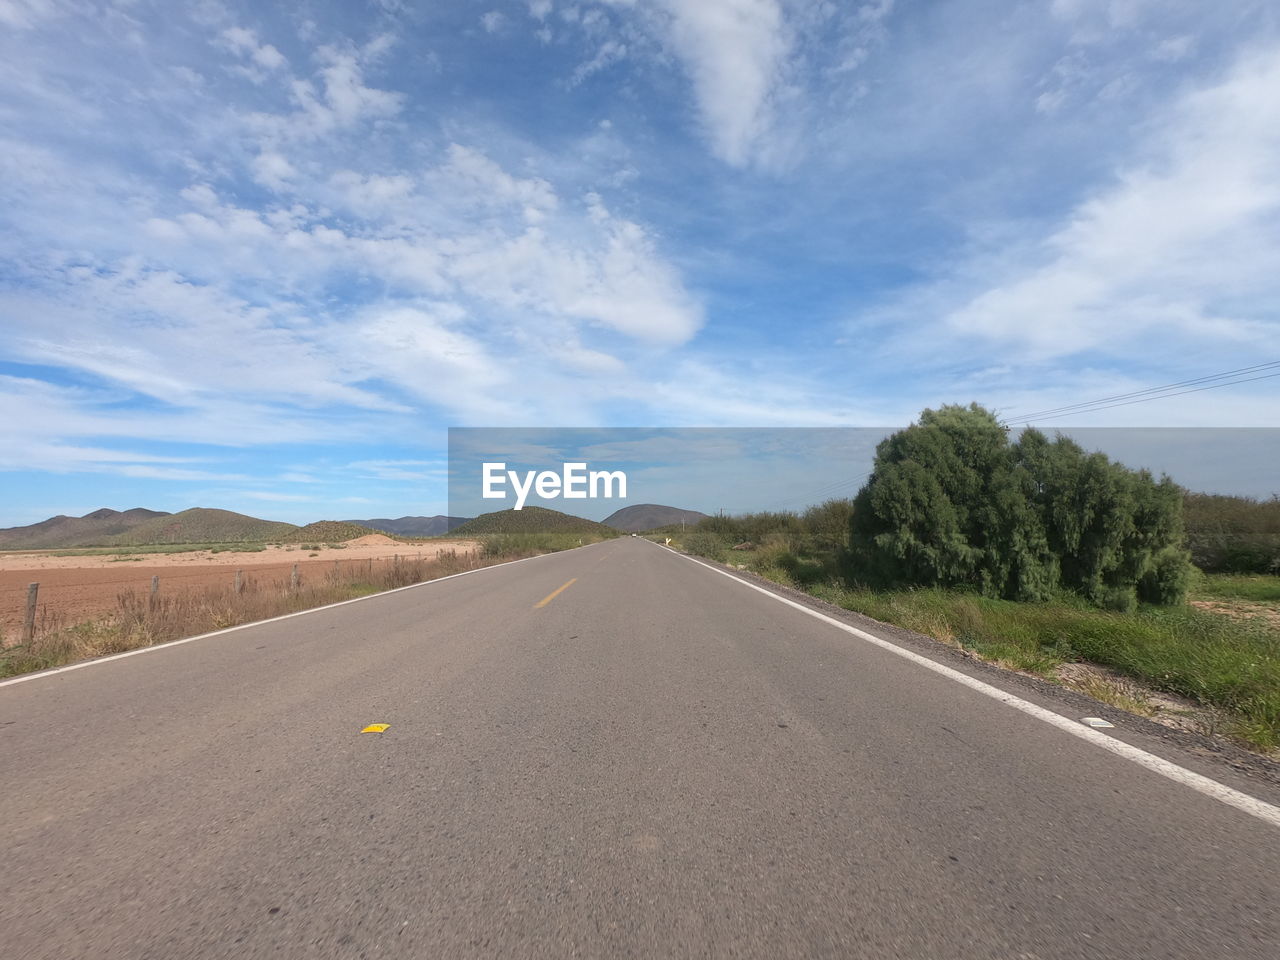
(1167, 579)
(1122, 599)
(952, 503)
(704, 543)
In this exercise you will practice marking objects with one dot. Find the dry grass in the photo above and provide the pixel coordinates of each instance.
(141, 620)
(1109, 688)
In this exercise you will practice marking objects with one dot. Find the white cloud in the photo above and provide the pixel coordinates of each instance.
(349, 98)
(371, 194)
(259, 59)
(485, 181)
(273, 170)
(611, 51)
(492, 21)
(735, 53)
(407, 470)
(22, 14)
(425, 351)
(700, 393)
(1114, 13)
(1174, 48)
(340, 101)
(271, 496)
(1172, 249)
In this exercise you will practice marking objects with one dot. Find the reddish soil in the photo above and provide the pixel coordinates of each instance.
(72, 595)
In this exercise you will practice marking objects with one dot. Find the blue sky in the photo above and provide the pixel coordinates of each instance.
(261, 256)
(747, 469)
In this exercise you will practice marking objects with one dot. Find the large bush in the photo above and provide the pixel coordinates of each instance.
(952, 503)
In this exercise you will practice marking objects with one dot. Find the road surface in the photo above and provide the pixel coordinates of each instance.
(610, 752)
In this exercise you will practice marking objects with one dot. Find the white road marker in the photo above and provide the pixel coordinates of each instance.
(1189, 778)
(1096, 722)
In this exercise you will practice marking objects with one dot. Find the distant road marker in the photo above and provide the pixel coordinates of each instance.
(375, 728)
(555, 593)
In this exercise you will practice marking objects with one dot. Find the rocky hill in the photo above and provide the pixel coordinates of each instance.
(63, 531)
(414, 526)
(650, 516)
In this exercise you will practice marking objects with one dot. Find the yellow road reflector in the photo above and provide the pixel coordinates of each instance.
(555, 593)
(375, 728)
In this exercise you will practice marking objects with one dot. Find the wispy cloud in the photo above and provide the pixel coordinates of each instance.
(1180, 247)
(734, 52)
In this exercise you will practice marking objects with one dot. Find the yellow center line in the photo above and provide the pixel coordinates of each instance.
(555, 593)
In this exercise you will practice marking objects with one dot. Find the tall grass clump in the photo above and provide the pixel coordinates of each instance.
(1257, 588)
(706, 543)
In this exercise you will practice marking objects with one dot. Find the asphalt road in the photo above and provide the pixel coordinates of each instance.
(656, 761)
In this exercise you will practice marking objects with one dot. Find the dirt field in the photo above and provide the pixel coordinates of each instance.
(73, 589)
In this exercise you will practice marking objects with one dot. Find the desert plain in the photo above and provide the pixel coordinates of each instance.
(77, 588)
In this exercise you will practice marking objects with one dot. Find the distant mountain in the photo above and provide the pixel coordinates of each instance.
(414, 526)
(139, 527)
(531, 520)
(650, 516)
(202, 525)
(62, 531)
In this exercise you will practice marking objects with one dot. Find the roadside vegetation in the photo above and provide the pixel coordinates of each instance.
(1257, 588)
(1233, 534)
(532, 520)
(141, 620)
(528, 544)
(1040, 557)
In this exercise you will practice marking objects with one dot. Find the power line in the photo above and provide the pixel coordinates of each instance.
(1153, 393)
(1180, 393)
(1090, 406)
(826, 493)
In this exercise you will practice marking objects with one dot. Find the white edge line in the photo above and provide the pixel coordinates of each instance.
(39, 674)
(1211, 788)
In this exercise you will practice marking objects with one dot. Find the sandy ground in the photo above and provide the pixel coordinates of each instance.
(78, 588)
(1240, 609)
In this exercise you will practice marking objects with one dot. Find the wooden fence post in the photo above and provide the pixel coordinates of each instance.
(239, 582)
(293, 579)
(155, 588)
(29, 621)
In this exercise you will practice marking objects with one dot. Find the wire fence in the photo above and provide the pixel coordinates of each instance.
(35, 604)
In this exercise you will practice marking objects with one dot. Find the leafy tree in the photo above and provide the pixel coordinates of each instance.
(951, 502)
